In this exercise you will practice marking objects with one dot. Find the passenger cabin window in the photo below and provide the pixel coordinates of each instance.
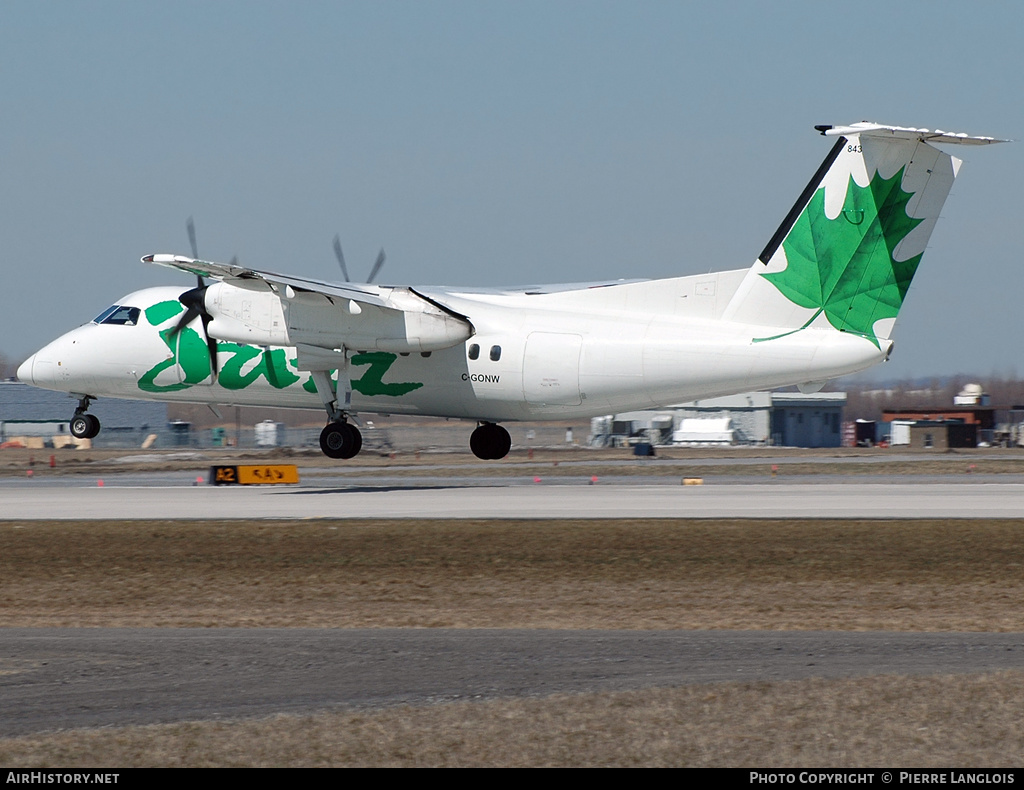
(474, 351)
(121, 315)
(495, 353)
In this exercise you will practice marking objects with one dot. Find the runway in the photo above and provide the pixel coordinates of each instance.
(69, 678)
(515, 499)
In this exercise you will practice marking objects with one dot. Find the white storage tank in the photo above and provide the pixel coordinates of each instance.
(269, 433)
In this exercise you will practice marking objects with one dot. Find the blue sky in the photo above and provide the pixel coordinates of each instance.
(489, 143)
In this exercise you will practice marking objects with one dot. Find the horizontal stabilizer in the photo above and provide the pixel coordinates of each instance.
(867, 129)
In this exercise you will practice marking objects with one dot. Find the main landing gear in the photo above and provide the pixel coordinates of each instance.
(340, 440)
(490, 442)
(83, 425)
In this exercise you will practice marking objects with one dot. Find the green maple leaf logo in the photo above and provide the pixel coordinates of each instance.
(844, 267)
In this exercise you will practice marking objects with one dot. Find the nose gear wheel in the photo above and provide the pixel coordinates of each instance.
(84, 426)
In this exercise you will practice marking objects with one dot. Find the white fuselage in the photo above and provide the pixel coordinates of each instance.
(532, 356)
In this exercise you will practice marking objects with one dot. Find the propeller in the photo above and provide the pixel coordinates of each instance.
(195, 305)
(194, 301)
(381, 257)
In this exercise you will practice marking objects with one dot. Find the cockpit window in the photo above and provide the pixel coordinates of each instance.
(99, 319)
(119, 314)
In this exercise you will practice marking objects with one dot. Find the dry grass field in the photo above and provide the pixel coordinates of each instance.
(948, 575)
(942, 575)
(962, 722)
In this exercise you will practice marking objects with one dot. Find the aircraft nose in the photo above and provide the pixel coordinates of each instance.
(25, 370)
(39, 368)
(62, 365)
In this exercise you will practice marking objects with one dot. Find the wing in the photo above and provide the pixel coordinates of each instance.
(245, 277)
(265, 308)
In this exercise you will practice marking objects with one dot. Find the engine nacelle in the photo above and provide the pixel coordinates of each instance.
(257, 315)
(243, 315)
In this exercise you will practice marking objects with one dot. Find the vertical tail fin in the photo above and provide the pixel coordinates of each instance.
(846, 253)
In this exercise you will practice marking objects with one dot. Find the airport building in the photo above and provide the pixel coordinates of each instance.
(786, 419)
(971, 421)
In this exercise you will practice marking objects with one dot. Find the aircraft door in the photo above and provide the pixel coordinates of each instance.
(551, 369)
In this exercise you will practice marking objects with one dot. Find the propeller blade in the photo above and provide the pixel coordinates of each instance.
(211, 348)
(192, 237)
(191, 226)
(381, 257)
(341, 258)
(194, 306)
(186, 318)
(195, 299)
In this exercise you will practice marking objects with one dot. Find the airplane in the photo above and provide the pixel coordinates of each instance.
(819, 302)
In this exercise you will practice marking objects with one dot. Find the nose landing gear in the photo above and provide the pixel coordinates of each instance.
(83, 425)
